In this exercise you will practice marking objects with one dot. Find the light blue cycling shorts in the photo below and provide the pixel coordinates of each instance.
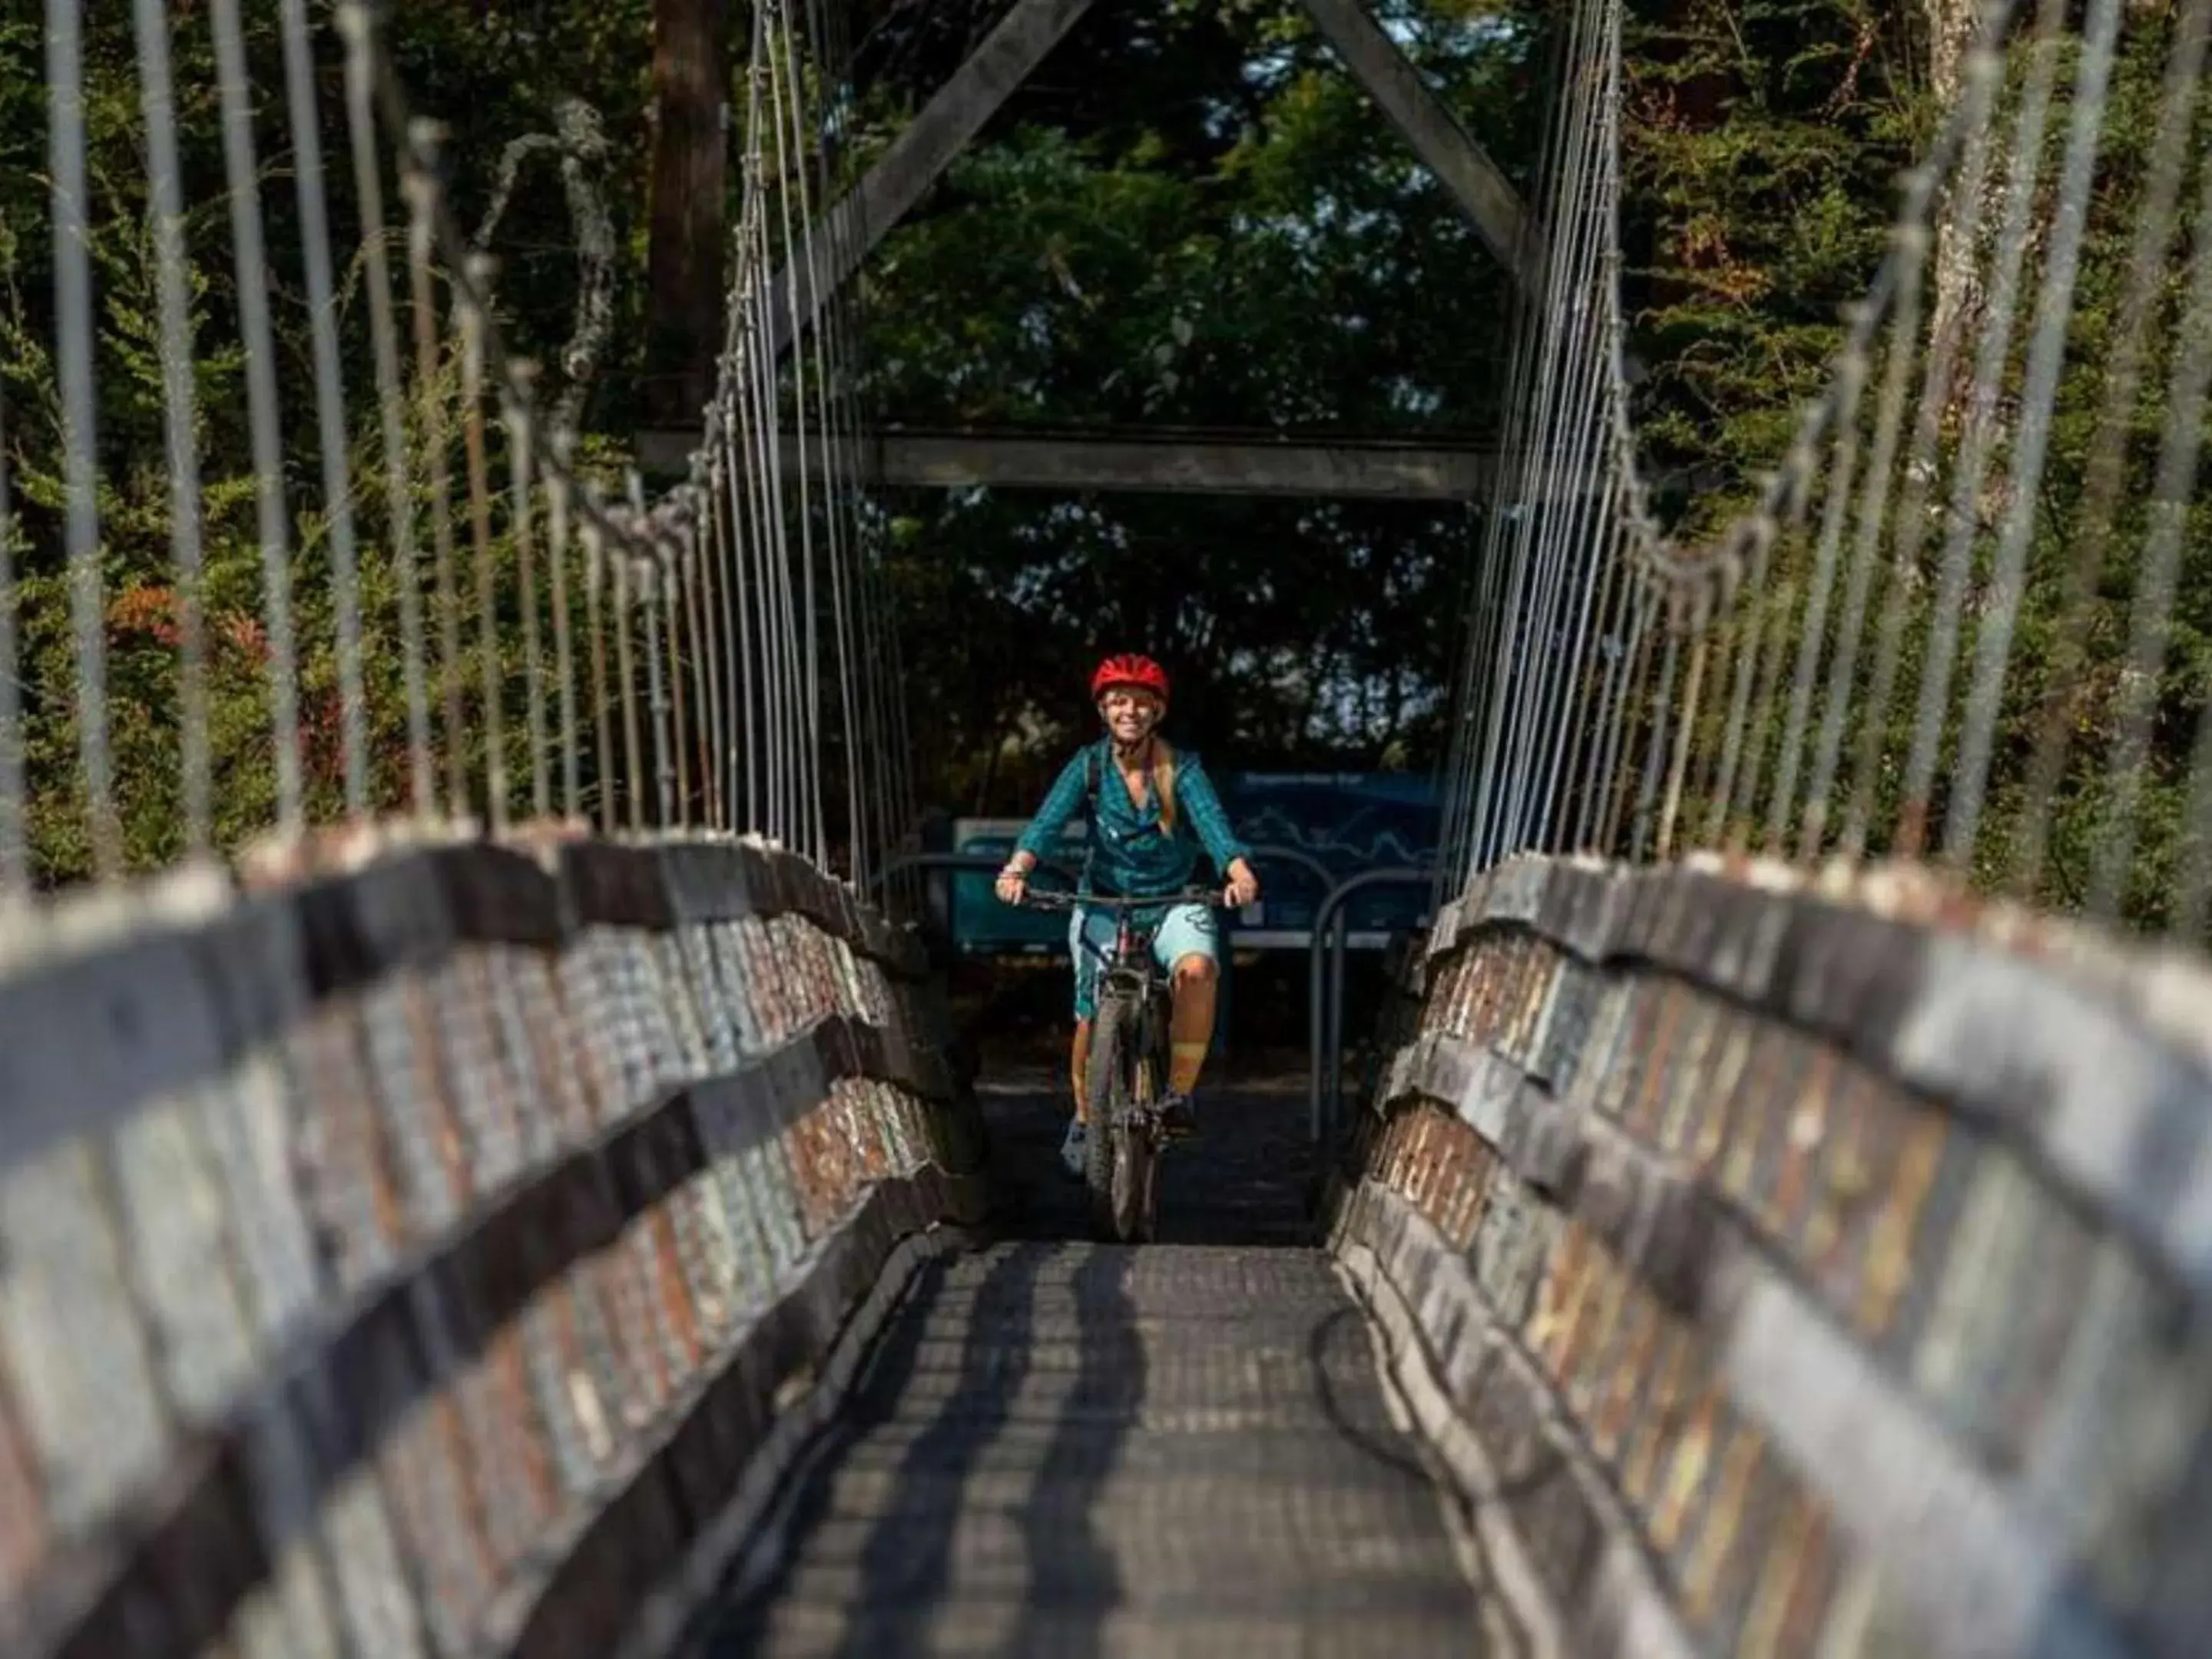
(1187, 930)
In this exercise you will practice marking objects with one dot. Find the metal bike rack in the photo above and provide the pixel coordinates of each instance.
(1272, 853)
(1325, 971)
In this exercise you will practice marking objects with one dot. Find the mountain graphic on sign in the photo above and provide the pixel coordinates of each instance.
(1272, 826)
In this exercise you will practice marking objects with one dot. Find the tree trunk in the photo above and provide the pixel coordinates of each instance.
(684, 259)
(1950, 32)
(1957, 286)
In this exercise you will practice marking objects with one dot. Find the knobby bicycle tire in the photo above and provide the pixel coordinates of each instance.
(1120, 1168)
(1106, 1091)
(1136, 1163)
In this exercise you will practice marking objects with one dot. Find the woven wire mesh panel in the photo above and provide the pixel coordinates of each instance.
(364, 1213)
(1784, 1200)
(389, 1184)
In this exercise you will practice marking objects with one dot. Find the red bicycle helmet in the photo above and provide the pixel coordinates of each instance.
(1130, 669)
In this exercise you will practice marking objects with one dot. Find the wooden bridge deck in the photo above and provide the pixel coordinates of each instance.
(1066, 1448)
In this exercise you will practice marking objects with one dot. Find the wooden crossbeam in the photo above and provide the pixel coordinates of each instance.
(1180, 463)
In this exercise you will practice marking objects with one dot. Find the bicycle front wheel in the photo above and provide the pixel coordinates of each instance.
(1132, 1189)
(1136, 1185)
(1109, 1088)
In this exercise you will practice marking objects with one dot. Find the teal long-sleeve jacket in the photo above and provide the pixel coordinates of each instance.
(1131, 854)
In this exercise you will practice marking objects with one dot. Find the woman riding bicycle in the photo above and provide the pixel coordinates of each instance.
(1150, 810)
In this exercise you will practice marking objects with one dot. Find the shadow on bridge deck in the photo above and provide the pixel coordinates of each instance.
(1250, 1181)
(1065, 1448)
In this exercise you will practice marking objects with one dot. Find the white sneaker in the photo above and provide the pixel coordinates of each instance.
(1073, 1146)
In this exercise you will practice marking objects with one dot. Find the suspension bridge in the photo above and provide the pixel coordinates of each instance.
(498, 1186)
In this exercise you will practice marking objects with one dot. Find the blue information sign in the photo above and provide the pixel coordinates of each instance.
(1348, 822)
(981, 925)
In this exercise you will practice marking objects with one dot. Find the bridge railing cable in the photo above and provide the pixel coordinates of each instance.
(1773, 1140)
(432, 632)
(450, 1106)
(1959, 625)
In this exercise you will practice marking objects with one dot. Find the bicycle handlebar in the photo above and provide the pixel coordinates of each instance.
(1050, 899)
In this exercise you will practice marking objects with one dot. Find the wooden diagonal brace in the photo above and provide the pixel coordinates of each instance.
(1483, 193)
(844, 236)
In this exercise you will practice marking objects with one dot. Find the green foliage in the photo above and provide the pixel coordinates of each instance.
(494, 74)
(1196, 218)
(1191, 217)
(1762, 144)
(2067, 666)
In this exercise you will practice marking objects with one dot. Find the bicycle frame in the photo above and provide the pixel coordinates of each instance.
(1130, 967)
(1124, 1188)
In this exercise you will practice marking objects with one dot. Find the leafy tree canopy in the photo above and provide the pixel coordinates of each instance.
(1191, 216)
(1194, 217)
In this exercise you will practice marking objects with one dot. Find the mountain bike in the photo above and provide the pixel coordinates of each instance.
(1126, 1075)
